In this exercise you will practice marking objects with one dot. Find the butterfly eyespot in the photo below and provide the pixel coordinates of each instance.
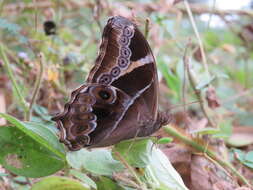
(125, 52)
(124, 41)
(82, 117)
(82, 140)
(85, 98)
(123, 62)
(128, 32)
(83, 128)
(104, 94)
(80, 108)
(105, 79)
(115, 71)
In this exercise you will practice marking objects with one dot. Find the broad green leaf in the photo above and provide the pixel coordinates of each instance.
(98, 161)
(84, 178)
(38, 133)
(162, 173)
(136, 151)
(59, 183)
(204, 82)
(24, 156)
(105, 183)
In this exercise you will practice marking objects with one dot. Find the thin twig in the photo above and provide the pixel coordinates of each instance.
(172, 131)
(37, 84)
(211, 14)
(184, 75)
(131, 170)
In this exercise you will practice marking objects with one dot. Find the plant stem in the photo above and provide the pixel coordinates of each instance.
(14, 81)
(146, 28)
(172, 131)
(203, 55)
(131, 170)
(201, 99)
(37, 85)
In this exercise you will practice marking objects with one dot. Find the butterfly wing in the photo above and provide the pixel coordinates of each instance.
(125, 69)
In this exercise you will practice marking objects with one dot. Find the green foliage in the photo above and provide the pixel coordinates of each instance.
(59, 183)
(23, 156)
(98, 162)
(29, 148)
(135, 153)
(245, 158)
(12, 29)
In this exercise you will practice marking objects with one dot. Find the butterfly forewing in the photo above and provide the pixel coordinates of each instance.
(119, 99)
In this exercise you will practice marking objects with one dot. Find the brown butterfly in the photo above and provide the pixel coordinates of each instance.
(119, 100)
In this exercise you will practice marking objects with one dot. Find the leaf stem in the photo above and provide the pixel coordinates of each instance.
(200, 97)
(131, 170)
(172, 131)
(14, 81)
(203, 55)
(37, 85)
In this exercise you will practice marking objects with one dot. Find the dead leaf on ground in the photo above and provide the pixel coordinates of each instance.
(205, 174)
(241, 136)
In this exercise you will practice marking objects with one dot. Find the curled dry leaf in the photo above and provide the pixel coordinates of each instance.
(197, 55)
(247, 33)
(211, 98)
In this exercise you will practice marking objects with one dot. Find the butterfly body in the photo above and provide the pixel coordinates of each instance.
(119, 100)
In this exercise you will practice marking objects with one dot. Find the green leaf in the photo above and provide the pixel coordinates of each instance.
(84, 178)
(244, 158)
(164, 140)
(172, 80)
(24, 156)
(105, 183)
(204, 82)
(162, 172)
(3, 174)
(249, 157)
(136, 151)
(58, 183)
(38, 133)
(98, 161)
(225, 130)
(206, 131)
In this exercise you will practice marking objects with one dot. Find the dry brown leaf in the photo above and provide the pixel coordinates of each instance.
(241, 136)
(180, 158)
(205, 174)
(211, 98)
